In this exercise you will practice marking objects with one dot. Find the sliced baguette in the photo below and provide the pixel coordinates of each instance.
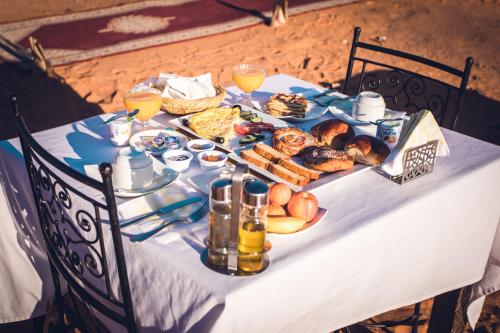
(288, 175)
(251, 156)
(303, 171)
(269, 152)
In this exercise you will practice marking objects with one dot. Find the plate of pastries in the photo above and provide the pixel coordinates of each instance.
(293, 108)
(305, 159)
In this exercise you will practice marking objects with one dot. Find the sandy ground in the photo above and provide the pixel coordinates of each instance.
(313, 46)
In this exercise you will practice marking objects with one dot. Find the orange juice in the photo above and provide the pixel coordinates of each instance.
(248, 81)
(148, 102)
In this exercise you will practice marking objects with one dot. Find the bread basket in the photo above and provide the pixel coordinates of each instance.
(182, 107)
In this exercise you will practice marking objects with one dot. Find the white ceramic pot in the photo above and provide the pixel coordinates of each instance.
(177, 160)
(220, 159)
(199, 145)
(368, 106)
(132, 169)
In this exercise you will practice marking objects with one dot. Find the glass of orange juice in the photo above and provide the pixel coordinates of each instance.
(147, 100)
(248, 78)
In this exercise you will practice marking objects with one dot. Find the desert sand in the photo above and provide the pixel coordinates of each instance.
(313, 46)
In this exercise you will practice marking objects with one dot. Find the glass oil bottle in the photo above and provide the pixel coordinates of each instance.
(252, 230)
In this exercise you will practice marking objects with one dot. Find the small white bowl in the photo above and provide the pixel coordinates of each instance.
(211, 165)
(205, 146)
(177, 160)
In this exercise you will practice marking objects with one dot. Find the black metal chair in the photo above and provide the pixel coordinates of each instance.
(77, 240)
(406, 90)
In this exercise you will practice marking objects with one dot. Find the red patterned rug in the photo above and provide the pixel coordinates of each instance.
(87, 35)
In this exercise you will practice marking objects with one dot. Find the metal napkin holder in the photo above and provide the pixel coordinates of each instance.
(417, 162)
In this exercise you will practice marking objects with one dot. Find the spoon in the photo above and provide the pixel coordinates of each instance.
(130, 114)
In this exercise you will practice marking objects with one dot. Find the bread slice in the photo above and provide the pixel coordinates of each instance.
(250, 156)
(269, 152)
(288, 175)
(303, 171)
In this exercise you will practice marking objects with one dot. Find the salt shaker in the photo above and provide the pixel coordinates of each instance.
(219, 220)
(253, 222)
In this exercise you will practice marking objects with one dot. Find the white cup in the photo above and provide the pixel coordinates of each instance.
(368, 106)
(121, 131)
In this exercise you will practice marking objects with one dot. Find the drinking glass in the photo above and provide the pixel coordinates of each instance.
(147, 100)
(248, 78)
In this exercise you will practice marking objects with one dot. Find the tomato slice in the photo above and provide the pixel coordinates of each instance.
(252, 128)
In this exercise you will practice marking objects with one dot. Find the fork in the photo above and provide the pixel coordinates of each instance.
(194, 217)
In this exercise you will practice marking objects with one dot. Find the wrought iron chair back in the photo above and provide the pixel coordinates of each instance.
(406, 90)
(77, 241)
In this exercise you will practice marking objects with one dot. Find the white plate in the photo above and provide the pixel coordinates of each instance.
(314, 111)
(319, 218)
(163, 176)
(135, 140)
(234, 144)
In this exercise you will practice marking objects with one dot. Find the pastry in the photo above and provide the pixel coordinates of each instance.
(269, 152)
(292, 166)
(367, 149)
(215, 122)
(292, 141)
(287, 105)
(327, 159)
(252, 157)
(289, 176)
(333, 133)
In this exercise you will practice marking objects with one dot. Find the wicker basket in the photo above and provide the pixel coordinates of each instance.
(183, 107)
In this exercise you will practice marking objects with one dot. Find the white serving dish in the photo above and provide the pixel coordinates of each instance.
(132, 169)
(233, 144)
(208, 165)
(368, 106)
(206, 145)
(135, 140)
(177, 165)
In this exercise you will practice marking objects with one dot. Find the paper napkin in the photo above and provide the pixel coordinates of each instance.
(421, 128)
(188, 88)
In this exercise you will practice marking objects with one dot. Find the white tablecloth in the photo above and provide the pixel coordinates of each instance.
(381, 247)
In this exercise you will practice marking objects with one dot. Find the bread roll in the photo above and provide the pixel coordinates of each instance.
(333, 133)
(327, 159)
(292, 141)
(367, 149)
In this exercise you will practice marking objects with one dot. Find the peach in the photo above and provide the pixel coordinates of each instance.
(276, 210)
(280, 194)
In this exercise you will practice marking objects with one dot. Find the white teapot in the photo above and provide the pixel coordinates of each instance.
(132, 169)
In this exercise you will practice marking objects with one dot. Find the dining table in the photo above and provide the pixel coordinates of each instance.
(381, 246)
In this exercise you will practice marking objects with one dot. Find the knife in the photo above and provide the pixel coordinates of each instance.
(164, 210)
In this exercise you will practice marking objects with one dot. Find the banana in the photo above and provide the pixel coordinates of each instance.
(284, 224)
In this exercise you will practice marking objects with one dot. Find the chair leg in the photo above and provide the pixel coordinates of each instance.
(416, 318)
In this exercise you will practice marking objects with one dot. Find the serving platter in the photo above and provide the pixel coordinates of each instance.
(324, 179)
(234, 144)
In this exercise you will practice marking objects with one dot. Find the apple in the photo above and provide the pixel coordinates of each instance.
(303, 205)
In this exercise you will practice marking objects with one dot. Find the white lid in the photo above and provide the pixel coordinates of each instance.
(129, 158)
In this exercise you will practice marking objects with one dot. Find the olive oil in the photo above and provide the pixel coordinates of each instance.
(251, 246)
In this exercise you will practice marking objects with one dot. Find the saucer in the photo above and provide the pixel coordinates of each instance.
(162, 177)
(136, 141)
